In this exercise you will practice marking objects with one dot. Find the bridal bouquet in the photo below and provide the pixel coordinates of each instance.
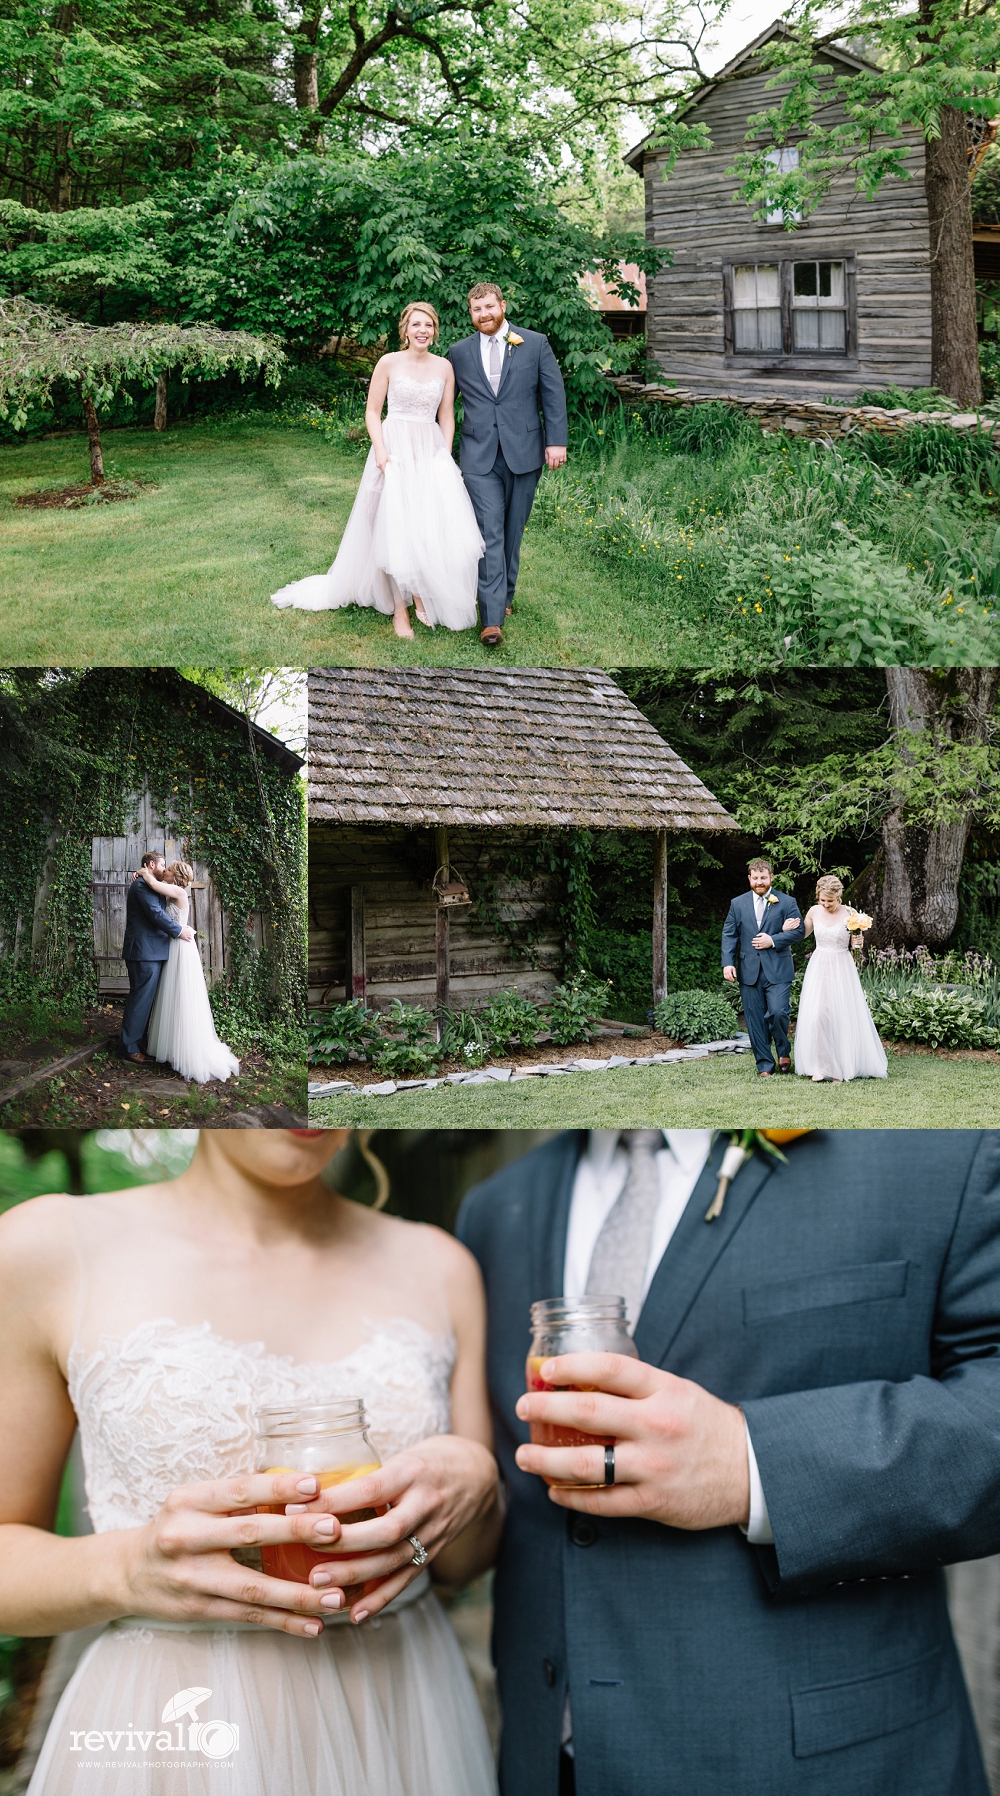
(858, 921)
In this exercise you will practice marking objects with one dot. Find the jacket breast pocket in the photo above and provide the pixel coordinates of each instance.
(829, 1716)
(878, 1282)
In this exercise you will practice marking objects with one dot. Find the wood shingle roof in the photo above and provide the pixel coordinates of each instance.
(560, 747)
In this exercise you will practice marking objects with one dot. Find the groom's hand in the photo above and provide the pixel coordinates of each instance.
(729, 973)
(680, 1453)
(762, 941)
(554, 458)
(187, 935)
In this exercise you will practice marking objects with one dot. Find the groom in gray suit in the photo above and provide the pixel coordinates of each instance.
(507, 378)
(756, 951)
(749, 1599)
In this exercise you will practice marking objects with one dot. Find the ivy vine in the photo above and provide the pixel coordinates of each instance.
(568, 857)
(99, 738)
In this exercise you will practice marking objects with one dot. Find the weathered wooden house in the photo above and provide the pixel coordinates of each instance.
(148, 701)
(839, 304)
(441, 802)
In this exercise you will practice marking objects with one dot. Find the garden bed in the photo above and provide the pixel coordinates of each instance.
(72, 497)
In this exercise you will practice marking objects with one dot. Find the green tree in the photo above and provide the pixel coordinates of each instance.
(935, 71)
(39, 347)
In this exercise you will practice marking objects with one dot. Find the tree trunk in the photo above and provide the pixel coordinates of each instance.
(954, 341)
(305, 65)
(160, 414)
(912, 886)
(94, 435)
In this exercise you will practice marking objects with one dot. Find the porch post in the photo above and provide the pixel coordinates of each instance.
(442, 925)
(357, 982)
(660, 917)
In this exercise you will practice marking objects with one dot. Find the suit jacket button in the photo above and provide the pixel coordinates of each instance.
(549, 1671)
(582, 1532)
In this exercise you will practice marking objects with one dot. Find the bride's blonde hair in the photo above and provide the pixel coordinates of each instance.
(829, 886)
(417, 305)
(180, 873)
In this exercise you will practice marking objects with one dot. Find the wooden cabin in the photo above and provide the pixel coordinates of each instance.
(441, 805)
(839, 304)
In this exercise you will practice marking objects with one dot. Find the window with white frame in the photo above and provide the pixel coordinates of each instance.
(783, 160)
(756, 306)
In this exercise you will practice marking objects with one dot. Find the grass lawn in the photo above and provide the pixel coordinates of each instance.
(921, 1092)
(183, 574)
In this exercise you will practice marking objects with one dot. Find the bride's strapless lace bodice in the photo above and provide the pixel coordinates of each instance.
(170, 1405)
(414, 399)
(831, 932)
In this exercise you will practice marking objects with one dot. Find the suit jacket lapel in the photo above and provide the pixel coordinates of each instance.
(509, 353)
(472, 344)
(693, 1250)
(548, 1256)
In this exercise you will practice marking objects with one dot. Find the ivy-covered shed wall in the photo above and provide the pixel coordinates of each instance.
(105, 755)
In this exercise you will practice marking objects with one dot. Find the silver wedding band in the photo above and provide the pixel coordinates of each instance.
(419, 1550)
(609, 1465)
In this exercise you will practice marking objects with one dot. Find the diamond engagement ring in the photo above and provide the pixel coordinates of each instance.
(419, 1550)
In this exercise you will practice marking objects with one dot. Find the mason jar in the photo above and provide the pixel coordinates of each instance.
(331, 1441)
(587, 1325)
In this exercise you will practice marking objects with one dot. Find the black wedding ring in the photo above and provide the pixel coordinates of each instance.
(609, 1465)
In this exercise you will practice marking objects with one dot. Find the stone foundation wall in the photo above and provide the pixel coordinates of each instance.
(806, 417)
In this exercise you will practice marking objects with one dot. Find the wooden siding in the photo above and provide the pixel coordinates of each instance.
(694, 213)
(391, 867)
(115, 859)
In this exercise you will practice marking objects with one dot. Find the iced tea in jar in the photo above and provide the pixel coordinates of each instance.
(329, 1440)
(587, 1325)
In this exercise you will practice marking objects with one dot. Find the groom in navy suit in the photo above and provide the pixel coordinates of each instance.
(149, 928)
(755, 950)
(753, 1603)
(508, 381)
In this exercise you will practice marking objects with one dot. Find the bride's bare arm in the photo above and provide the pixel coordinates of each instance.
(176, 1567)
(446, 1491)
(446, 410)
(159, 885)
(378, 387)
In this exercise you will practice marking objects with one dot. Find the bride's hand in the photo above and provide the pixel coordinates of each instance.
(436, 1491)
(178, 1567)
(382, 460)
(791, 923)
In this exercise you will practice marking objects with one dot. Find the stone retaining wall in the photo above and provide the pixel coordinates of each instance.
(807, 417)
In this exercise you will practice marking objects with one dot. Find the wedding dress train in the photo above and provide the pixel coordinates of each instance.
(181, 1026)
(158, 1708)
(412, 527)
(835, 1037)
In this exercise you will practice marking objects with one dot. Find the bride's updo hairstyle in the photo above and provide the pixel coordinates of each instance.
(417, 305)
(829, 886)
(180, 873)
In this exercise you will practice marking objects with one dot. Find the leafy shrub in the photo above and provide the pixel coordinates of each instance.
(695, 1016)
(407, 1059)
(509, 1018)
(935, 1016)
(707, 429)
(464, 1037)
(341, 1033)
(574, 1006)
(910, 399)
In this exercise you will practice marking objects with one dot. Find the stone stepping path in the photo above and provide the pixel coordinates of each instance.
(503, 1075)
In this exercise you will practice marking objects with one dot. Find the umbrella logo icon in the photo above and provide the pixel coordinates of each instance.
(186, 1702)
(216, 1739)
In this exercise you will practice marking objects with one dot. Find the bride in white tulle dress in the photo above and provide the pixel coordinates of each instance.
(835, 1037)
(160, 1320)
(181, 1025)
(412, 536)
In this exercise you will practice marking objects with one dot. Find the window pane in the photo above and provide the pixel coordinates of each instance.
(831, 282)
(832, 334)
(745, 286)
(804, 279)
(768, 292)
(806, 329)
(769, 328)
(745, 330)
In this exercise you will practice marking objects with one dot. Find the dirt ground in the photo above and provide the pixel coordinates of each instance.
(639, 1043)
(108, 1092)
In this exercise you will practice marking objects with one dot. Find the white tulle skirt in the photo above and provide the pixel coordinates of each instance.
(385, 1709)
(181, 1027)
(413, 527)
(835, 1037)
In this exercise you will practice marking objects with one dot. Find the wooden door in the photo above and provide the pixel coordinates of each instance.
(115, 859)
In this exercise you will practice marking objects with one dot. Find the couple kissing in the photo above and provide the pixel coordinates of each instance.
(421, 533)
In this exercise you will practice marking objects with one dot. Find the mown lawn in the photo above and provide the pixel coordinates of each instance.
(921, 1092)
(183, 574)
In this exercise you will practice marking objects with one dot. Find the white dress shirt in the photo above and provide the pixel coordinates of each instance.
(600, 1179)
(484, 346)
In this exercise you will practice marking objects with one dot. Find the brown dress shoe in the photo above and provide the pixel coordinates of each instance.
(492, 636)
(784, 1066)
(136, 1059)
(765, 1072)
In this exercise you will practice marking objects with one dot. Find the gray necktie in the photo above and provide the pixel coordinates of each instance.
(496, 353)
(621, 1252)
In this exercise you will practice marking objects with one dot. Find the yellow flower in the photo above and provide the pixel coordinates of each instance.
(513, 340)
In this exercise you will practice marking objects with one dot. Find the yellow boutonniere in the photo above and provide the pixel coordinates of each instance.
(771, 899)
(513, 341)
(741, 1148)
